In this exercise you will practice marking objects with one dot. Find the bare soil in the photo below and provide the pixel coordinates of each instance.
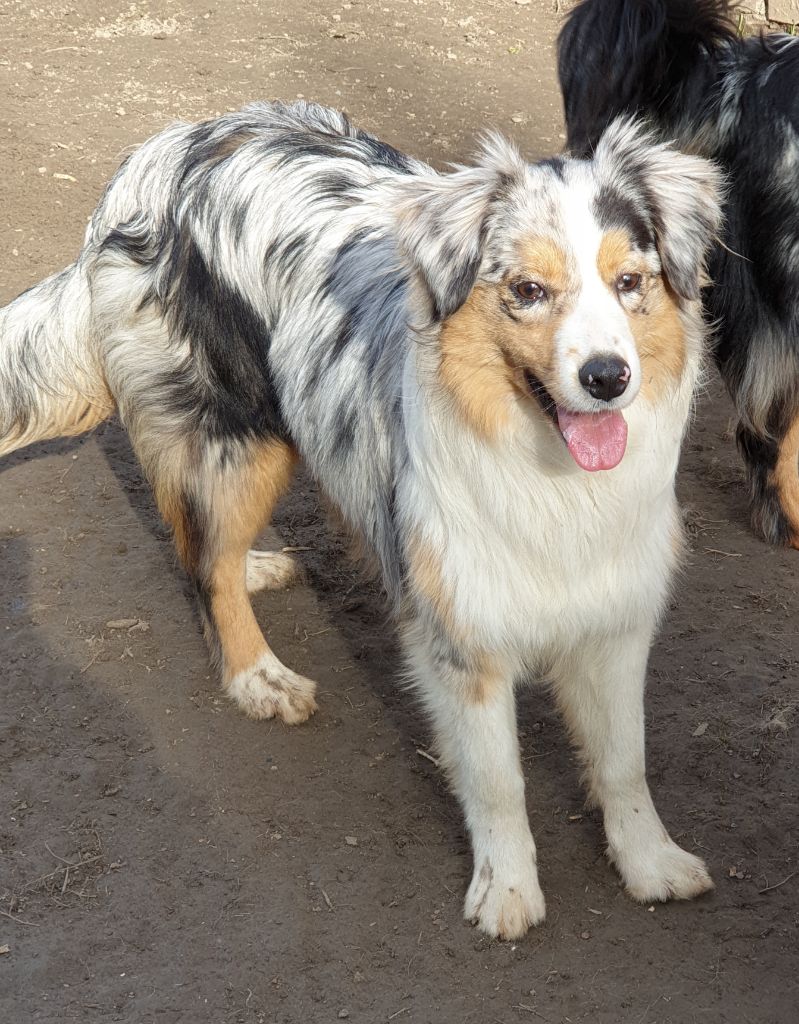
(162, 859)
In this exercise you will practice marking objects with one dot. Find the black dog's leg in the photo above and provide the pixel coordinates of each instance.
(772, 466)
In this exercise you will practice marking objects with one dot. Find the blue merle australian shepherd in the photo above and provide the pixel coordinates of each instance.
(682, 64)
(488, 372)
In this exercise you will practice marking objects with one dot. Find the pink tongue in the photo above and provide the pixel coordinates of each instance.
(596, 440)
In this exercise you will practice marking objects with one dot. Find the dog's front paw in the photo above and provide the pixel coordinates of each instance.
(504, 906)
(270, 690)
(666, 872)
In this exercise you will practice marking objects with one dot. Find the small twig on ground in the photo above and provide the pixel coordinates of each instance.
(403, 1010)
(319, 632)
(530, 1009)
(778, 884)
(30, 924)
(423, 753)
(87, 667)
(326, 898)
(62, 859)
(727, 554)
(66, 867)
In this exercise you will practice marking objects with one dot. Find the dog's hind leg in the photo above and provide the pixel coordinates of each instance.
(270, 570)
(217, 497)
(772, 466)
(600, 688)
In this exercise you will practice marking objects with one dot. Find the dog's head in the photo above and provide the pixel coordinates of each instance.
(564, 284)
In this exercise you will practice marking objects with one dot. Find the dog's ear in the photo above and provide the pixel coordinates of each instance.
(442, 222)
(682, 195)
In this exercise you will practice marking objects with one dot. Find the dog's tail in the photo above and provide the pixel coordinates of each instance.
(625, 56)
(51, 379)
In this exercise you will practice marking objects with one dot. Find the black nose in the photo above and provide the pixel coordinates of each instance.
(605, 377)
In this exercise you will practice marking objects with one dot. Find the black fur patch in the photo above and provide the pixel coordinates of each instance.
(133, 240)
(556, 164)
(383, 155)
(234, 395)
(612, 210)
(768, 519)
(348, 329)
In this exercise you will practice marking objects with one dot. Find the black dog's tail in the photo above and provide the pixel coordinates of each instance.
(625, 56)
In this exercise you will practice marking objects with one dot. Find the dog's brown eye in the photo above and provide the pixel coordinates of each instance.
(628, 282)
(530, 291)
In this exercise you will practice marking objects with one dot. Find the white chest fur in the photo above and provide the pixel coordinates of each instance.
(535, 551)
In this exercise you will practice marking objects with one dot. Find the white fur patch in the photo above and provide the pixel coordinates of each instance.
(663, 871)
(505, 903)
(269, 570)
(270, 690)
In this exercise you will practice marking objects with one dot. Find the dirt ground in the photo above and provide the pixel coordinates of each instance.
(162, 859)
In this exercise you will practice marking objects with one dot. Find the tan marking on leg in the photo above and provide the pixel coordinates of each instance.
(480, 677)
(485, 680)
(240, 636)
(786, 480)
(249, 502)
(171, 502)
(213, 538)
(427, 577)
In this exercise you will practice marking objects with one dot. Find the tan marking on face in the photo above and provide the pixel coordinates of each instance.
(614, 257)
(473, 367)
(484, 352)
(546, 263)
(660, 340)
(655, 323)
(786, 480)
